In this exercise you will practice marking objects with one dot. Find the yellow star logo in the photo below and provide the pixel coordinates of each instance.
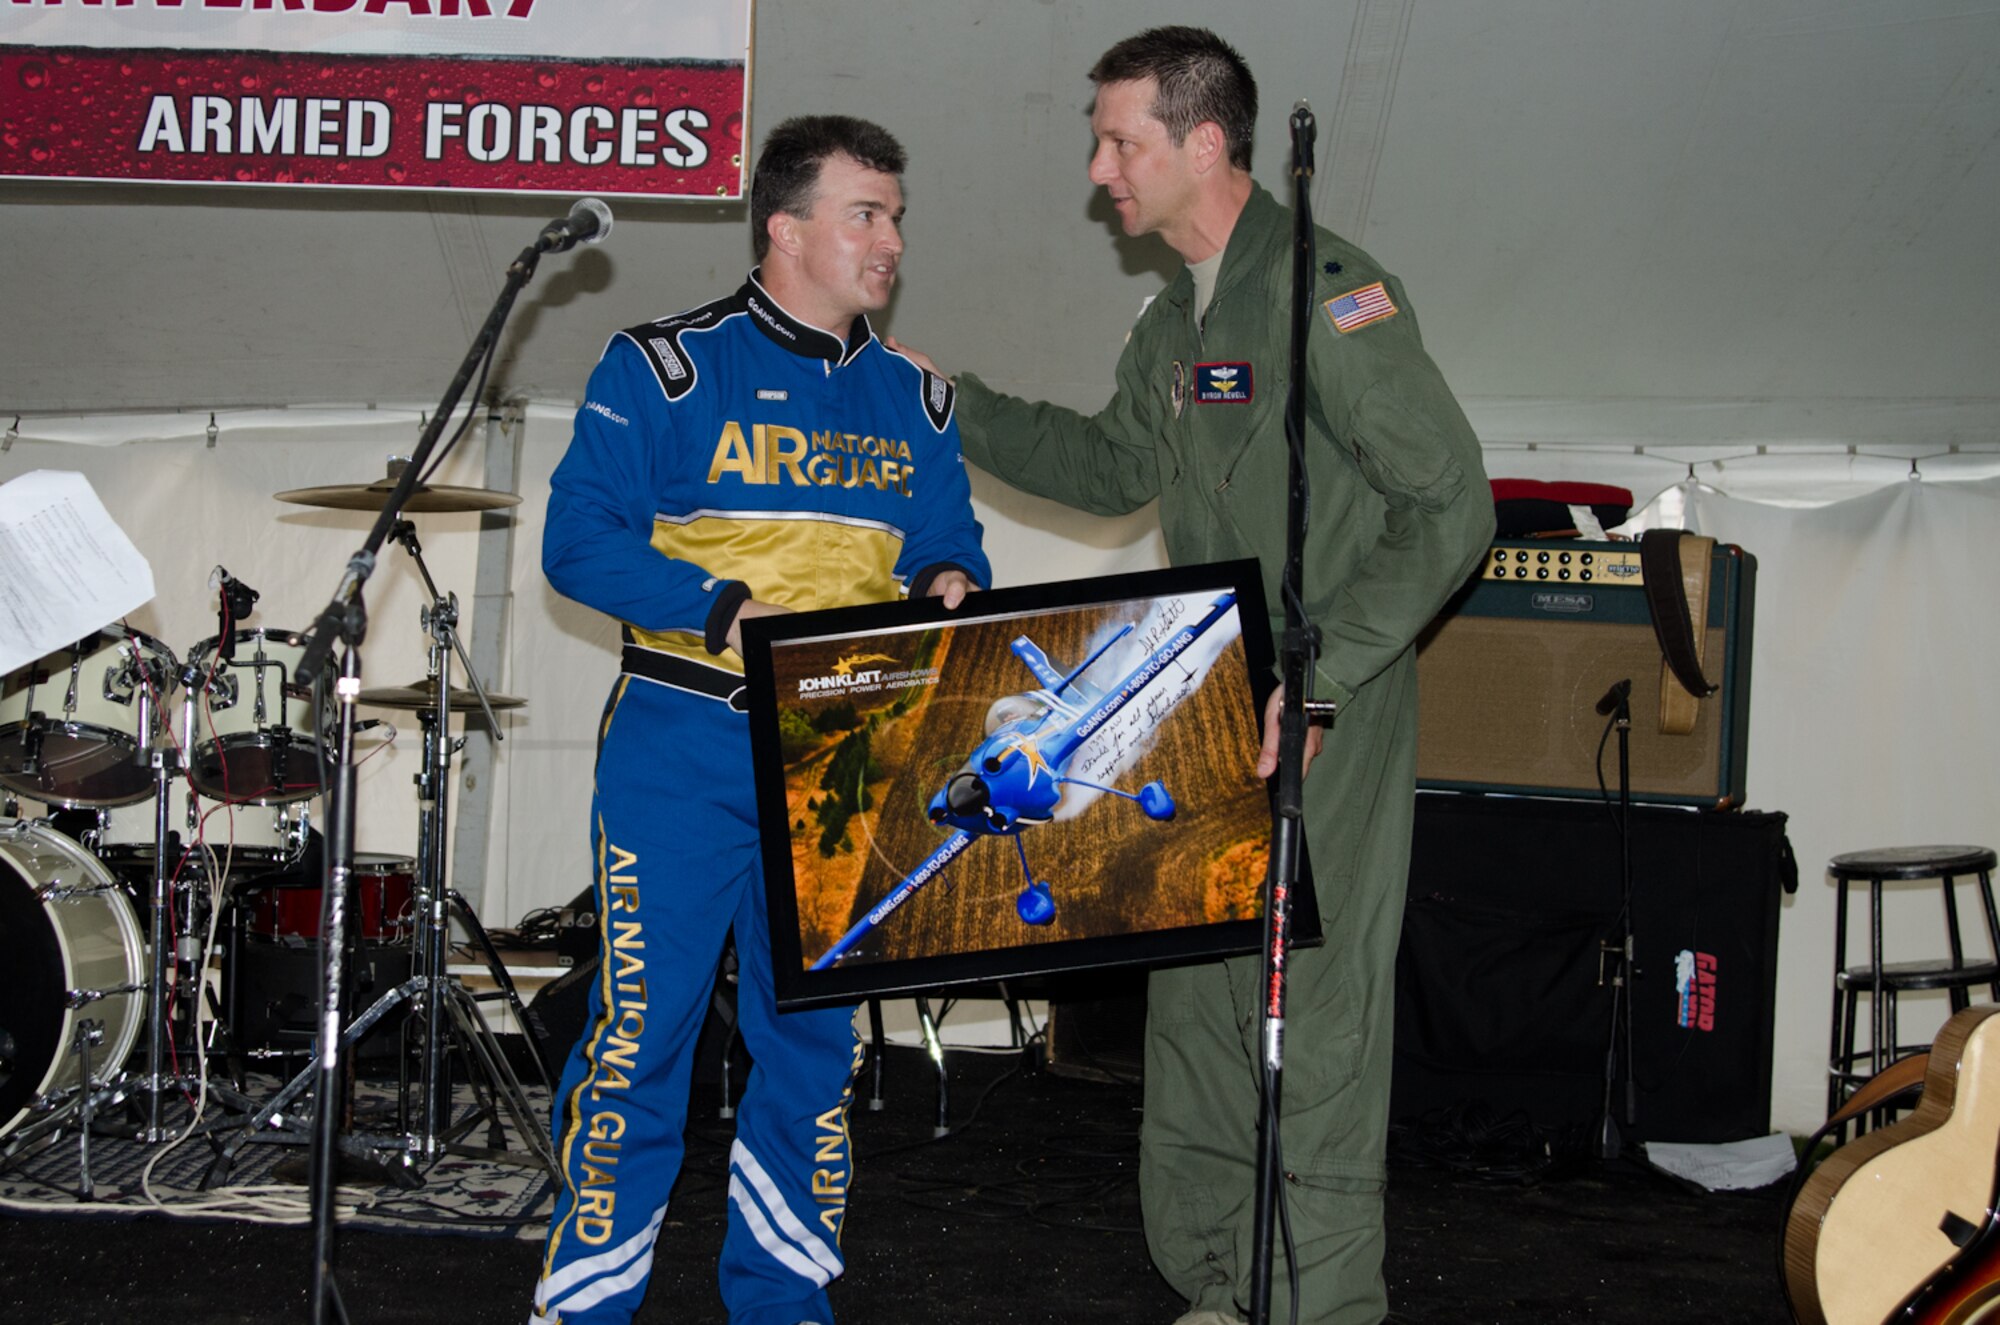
(1036, 764)
(847, 665)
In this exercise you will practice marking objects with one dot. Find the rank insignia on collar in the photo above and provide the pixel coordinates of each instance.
(1224, 383)
(1179, 394)
(1369, 304)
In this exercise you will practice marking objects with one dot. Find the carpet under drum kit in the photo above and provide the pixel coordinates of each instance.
(161, 917)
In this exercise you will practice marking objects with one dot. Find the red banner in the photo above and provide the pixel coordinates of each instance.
(628, 127)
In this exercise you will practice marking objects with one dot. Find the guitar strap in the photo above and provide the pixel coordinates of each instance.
(1675, 566)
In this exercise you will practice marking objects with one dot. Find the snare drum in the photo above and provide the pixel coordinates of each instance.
(252, 741)
(66, 935)
(69, 722)
(381, 913)
(265, 837)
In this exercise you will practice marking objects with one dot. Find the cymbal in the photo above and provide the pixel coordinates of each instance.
(423, 696)
(423, 498)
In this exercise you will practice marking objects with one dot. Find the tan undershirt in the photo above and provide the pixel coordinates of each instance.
(1204, 282)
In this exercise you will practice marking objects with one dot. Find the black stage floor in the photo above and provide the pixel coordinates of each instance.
(1028, 1212)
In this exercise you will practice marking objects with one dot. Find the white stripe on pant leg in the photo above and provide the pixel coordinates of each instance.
(823, 1255)
(767, 1237)
(586, 1298)
(639, 1244)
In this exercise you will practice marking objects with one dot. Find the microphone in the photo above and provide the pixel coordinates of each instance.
(587, 223)
(1615, 697)
(235, 599)
(1304, 130)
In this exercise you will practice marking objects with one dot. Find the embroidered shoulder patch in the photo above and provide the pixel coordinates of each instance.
(938, 397)
(660, 342)
(1369, 304)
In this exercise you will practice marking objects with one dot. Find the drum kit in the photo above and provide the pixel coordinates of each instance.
(166, 902)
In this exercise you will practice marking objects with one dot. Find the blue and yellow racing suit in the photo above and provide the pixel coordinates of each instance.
(728, 452)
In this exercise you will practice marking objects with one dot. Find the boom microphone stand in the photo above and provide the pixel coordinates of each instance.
(1298, 656)
(345, 621)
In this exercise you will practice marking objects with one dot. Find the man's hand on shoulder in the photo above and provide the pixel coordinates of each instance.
(921, 360)
(751, 607)
(952, 586)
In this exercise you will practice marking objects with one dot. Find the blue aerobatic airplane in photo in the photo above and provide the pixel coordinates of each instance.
(1017, 775)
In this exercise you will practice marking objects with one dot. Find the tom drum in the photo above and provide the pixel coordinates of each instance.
(252, 737)
(70, 722)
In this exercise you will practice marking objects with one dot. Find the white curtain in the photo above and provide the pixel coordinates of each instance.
(1873, 720)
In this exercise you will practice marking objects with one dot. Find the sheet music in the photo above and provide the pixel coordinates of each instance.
(66, 568)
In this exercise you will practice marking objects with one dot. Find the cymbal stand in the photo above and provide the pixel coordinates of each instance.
(444, 1008)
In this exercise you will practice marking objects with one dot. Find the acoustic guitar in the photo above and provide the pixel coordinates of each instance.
(1898, 1226)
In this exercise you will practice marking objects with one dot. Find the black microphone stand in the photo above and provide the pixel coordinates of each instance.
(1616, 953)
(345, 621)
(1297, 659)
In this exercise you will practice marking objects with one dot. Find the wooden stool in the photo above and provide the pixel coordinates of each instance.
(1848, 1066)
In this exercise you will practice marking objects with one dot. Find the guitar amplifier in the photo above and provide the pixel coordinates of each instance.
(1511, 672)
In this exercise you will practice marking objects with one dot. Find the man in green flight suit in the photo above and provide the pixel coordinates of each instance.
(1401, 512)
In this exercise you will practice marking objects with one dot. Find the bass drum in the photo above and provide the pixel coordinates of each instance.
(64, 927)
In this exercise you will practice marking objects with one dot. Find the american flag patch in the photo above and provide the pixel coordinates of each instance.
(1351, 312)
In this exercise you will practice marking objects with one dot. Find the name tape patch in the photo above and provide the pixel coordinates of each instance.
(1223, 383)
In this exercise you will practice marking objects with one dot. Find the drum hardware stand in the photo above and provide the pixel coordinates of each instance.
(499, 1087)
(167, 764)
(273, 1123)
(89, 1033)
(83, 1103)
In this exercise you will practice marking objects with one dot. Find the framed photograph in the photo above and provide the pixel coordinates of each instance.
(1050, 778)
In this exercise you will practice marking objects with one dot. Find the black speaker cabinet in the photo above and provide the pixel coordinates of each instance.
(1511, 671)
(1097, 1028)
(1497, 984)
(272, 991)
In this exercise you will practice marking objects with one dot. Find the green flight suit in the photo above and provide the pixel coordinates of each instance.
(1400, 514)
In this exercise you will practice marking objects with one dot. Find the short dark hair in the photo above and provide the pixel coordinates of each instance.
(1200, 77)
(787, 175)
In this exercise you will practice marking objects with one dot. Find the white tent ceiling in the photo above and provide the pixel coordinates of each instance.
(1720, 222)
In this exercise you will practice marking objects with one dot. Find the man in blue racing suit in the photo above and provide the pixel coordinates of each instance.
(761, 453)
